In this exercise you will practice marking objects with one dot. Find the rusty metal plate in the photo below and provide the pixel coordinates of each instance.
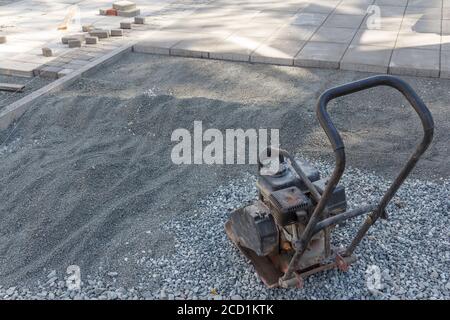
(263, 266)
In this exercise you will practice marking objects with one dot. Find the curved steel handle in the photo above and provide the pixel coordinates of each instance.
(338, 145)
(338, 148)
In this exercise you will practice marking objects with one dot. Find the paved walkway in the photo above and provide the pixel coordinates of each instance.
(407, 37)
(30, 25)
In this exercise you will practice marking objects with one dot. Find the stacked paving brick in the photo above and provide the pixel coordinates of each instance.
(99, 33)
(75, 36)
(47, 52)
(91, 36)
(122, 9)
(91, 40)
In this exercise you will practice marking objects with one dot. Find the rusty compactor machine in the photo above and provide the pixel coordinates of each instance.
(286, 232)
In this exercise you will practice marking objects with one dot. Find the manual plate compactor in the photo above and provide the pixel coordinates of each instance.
(286, 232)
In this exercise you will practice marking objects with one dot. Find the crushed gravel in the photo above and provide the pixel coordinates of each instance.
(90, 182)
(411, 251)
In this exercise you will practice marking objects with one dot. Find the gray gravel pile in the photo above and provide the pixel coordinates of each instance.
(411, 250)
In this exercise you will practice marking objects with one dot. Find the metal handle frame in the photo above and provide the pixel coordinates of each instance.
(339, 151)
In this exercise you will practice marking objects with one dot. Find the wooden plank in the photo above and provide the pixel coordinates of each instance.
(11, 87)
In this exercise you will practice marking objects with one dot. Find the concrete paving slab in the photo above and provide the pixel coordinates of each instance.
(100, 33)
(91, 40)
(445, 43)
(281, 11)
(391, 2)
(429, 41)
(181, 25)
(445, 64)
(446, 13)
(272, 17)
(257, 30)
(196, 48)
(34, 26)
(19, 46)
(92, 49)
(309, 19)
(80, 62)
(366, 58)
(344, 21)
(125, 25)
(47, 52)
(75, 36)
(277, 51)
(116, 32)
(139, 20)
(28, 34)
(20, 69)
(277, 23)
(380, 38)
(129, 13)
(445, 27)
(49, 72)
(351, 8)
(124, 5)
(31, 58)
(214, 29)
(320, 55)
(415, 62)
(324, 7)
(73, 66)
(392, 11)
(294, 32)
(425, 3)
(62, 59)
(53, 63)
(160, 42)
(74, 43)
(421, 25)
(423, 13)
(383, 23)
(235, 48)
(336, 35)
(57, 48)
